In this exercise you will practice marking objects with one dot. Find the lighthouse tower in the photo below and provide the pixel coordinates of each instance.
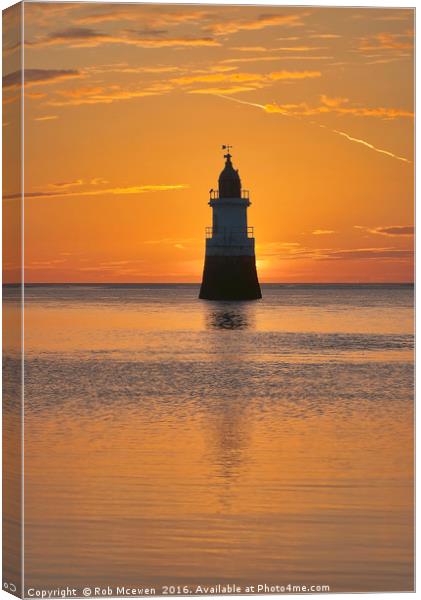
(230, 263)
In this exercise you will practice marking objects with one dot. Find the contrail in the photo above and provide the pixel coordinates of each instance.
(265, 108)
(358, 141)
(262, 106)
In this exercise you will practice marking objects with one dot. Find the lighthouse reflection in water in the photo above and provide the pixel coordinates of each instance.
(171, 441)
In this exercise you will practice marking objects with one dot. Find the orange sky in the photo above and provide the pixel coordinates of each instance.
(126, 107)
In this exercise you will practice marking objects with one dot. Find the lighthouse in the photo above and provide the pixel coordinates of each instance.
(230, 262)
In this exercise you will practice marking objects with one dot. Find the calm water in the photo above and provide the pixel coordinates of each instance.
(177, 441)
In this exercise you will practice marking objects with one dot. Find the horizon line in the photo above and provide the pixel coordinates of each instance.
(198, 283)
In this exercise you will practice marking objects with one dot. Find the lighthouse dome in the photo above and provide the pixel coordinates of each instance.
(229, 180)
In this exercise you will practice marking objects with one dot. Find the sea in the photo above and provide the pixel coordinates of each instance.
(173, 442)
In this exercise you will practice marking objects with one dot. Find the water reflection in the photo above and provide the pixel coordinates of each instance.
(225, 418)
(227, 428)
(180, 424)
(230, 316)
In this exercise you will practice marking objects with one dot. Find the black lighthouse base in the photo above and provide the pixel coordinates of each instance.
(230, 278)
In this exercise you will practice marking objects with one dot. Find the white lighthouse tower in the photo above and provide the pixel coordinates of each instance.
(230, 263)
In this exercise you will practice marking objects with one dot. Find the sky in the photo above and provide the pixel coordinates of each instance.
(125, 111)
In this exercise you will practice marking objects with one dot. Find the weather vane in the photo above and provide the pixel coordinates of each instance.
(227, 147)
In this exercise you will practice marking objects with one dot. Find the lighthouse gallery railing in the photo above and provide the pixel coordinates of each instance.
(214, 195)
(229, 233)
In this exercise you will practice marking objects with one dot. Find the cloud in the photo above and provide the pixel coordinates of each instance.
(234, 25)
(103, 95)
(126, 68)
(116, 191)
(335, 105)
(325, 36)
(82, 37)
(42, 14)
(398, 15)
(385, 61)
(220, 91)
(322, 231)
(66, 184)
(389, 230)
(240, 82)
(294, 251)
(284, 75)
(75, 37)
(156, 70)
(281, 75)
(46, 118)
(299, 48)
(38, 76)
(35, 95)
(251, 49)
(106, 94)
(387, 41)
(380, 112)
(10, 46)
(45, 264)
(282, 250)
(177, 242)
(247, 59)
(333, 102)
(367, 254)
(277, 49)
(219, 78)
(142, 42)
(98, 181)
(137, 13)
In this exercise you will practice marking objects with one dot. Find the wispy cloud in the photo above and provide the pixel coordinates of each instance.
(107, 93)
(142, 42)
(229, 26)
(66, 184)
(43, 14)
(98, 181)
(130, 69)
(252, 59)
(295, 251)
(115, 191)
(239, 82)
(176, 242)
(388, 253)
(337, 105)
(386, 61)
(251, 49)
(46, 118)
(73, 37)
(389, 230)
(82, 37)
(387, 41)
(333, 102)
(38, 76)
(322, 231)
(325, 36)
(35, 95)
(278, 49)
(299, 48)
(103, 95)
(138, 13)
(227, 90)
(219, 78)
